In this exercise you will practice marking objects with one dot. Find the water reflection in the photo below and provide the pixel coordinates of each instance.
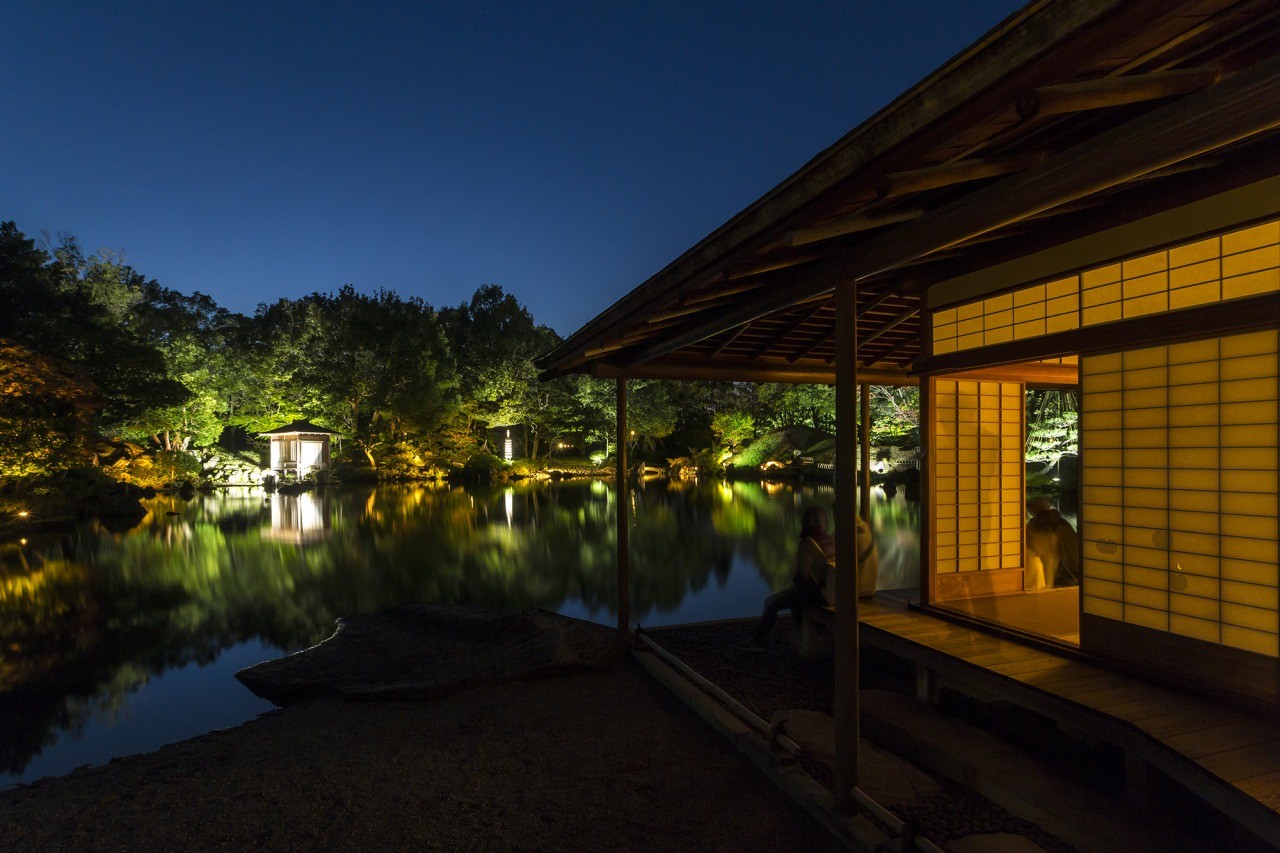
(96, 625)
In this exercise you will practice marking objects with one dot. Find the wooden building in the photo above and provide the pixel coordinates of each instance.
(1086, 198)
(299, 448)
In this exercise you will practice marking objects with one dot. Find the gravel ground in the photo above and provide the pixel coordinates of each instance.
(601, 761)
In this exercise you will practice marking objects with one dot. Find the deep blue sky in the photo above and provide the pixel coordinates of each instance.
(566, 151)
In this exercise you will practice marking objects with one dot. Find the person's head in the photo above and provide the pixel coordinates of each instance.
(813, 522)
(1038, 505)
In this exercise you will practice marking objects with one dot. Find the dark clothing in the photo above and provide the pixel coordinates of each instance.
(795, 597)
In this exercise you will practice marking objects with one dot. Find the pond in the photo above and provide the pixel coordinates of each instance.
(120, 642)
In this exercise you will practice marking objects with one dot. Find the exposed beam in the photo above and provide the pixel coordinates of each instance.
(891, 351)
(956, 172)
(1113, 91)
(892, 324)
(770, 370)
(850, 225)
(685, 310)
(729, 339)
(804, 317)
(875, 303)
(820, 341)
(1243, 105)
(1003, 63)
(710, 293)
(760, 267)
(1035, 374)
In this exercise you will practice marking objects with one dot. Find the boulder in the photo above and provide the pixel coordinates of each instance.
(428, 651)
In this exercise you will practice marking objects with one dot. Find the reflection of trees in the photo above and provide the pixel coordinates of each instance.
(87, 618)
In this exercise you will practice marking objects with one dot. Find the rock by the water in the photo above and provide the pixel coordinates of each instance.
(426, 651)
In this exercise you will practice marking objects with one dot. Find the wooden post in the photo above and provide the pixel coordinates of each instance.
(847, 669)
(864, 417)
(623, 496)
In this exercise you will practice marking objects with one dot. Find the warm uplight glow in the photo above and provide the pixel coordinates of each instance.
(22, 513)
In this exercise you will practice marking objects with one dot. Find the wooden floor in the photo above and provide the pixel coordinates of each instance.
(1227, 757)
(1049, 612)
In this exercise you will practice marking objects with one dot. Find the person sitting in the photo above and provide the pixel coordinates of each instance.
(1053, 548)
(813, 580)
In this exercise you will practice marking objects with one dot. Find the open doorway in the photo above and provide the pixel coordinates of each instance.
(1006, 547)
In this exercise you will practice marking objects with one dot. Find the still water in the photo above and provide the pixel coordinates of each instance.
(113, 643)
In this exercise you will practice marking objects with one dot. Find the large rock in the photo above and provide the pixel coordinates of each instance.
(427, 651)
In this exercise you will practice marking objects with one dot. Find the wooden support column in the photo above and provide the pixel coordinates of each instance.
(623, 496)
(864, 469)
(847, 669)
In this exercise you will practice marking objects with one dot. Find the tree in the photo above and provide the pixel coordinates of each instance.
(782, 405)
(46, 413)
(496, 340)
(78, 313)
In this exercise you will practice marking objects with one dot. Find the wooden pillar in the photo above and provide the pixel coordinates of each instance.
(847, 669)
(864, 460)
(623, 496)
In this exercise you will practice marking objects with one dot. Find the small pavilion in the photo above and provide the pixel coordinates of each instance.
(299, 448)
(1087, 198)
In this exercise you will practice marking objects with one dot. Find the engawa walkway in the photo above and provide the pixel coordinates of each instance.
(1227, 757)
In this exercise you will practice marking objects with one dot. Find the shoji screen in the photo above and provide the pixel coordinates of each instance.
(1230, 266)
(979, 474)
(1179, 468)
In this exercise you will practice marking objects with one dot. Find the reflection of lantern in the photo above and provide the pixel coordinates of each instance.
(507, 453)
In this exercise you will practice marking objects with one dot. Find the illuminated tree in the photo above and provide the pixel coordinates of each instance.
(46, 414)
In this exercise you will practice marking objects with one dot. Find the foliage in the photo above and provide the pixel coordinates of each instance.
(895, 416)
(1052, 424)
(155, 470)
(783, 405)
(409, 389)
(732, 428)
(46, 413)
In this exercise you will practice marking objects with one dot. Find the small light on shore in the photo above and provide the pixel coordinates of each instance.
(22, 513)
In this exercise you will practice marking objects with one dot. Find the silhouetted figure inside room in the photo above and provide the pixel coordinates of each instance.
(1053, 548)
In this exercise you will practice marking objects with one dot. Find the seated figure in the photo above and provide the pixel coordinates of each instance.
(1053, 548)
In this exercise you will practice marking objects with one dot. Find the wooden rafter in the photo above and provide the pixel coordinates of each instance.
(818, 343)
(892, 351)
(890, 326)
(804, 317)
(729, 339)
(712, 293)
(956, 172)
(744, 371)
(760, 267)
(850, 225)
(1242, 105)
(678, 311)
(1113, 91)
(887, 327)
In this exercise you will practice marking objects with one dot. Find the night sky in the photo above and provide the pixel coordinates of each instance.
(566, 151)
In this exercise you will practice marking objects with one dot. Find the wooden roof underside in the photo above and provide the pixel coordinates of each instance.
(1067, 119)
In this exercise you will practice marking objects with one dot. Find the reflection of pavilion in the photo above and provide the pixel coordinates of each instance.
(297, 519)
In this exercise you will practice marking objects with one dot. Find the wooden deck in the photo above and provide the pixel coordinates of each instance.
(1227, 757)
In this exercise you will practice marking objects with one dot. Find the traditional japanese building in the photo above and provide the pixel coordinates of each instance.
(1088, 198)
(299, 448)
